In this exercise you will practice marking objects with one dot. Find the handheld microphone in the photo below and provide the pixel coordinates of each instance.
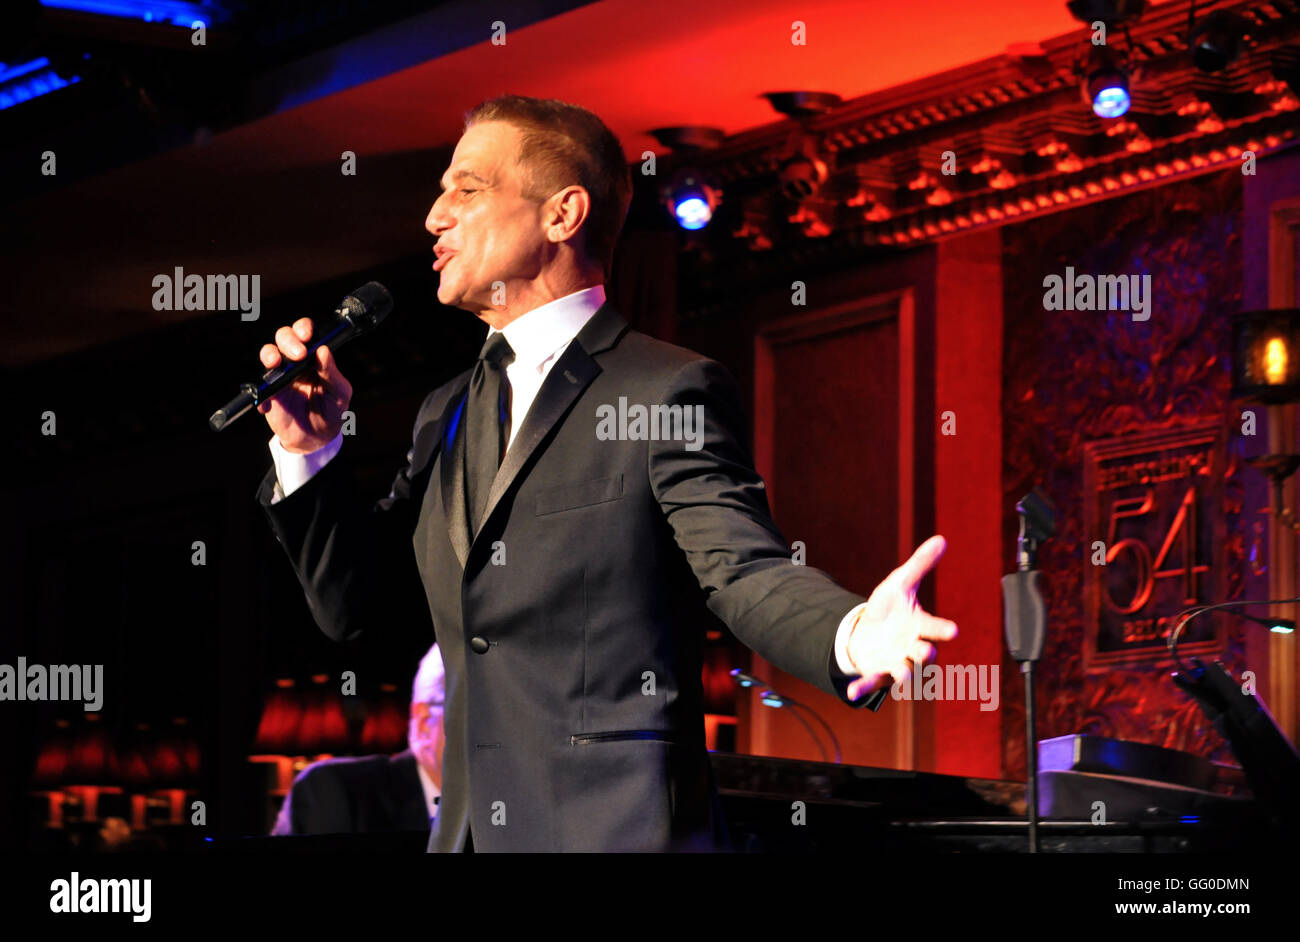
(360, 311)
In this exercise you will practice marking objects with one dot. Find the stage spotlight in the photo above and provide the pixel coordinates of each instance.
(1108, 92)
(688, 194)
(1216, 40)
(802, 176)
(1106, 88)
(691, 199)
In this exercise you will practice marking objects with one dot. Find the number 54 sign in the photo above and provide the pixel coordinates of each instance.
(1154, 531)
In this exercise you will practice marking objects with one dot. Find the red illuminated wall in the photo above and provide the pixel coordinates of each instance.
(1028, 389)
(1072, 377)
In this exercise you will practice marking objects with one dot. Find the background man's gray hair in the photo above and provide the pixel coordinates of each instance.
(430, 679)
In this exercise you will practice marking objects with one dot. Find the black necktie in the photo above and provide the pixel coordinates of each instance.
(485, 425)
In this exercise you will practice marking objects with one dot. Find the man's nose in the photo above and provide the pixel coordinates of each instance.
(437, 222)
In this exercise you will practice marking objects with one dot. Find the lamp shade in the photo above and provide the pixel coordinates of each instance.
(135, 766)
(387, 721)
(1266, 356)
(54, 758)
(324, 728)
(175, 757)
(94, 760)
(277, 733)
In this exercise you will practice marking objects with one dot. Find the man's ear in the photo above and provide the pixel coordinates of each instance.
(568, 211)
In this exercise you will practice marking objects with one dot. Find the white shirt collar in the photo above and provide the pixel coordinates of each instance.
(535, 336)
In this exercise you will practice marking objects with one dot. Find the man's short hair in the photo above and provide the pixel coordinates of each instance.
(564, 144)
(429, 686)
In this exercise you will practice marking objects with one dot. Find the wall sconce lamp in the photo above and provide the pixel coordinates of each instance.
(1266, 369)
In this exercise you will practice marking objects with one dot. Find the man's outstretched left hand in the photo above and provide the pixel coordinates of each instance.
(893, 634)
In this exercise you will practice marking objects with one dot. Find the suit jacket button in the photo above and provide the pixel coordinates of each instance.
(478, 645)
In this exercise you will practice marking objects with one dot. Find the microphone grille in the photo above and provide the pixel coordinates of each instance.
(368, 305)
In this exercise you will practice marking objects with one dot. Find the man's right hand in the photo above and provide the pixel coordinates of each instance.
(308, 413)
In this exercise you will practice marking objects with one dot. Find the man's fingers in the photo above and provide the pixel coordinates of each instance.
(328, 368)
(901, 671)
(325, 364)
(934, 629)
(302, 327)
(289, 344)
(922, 561)
(922, 653)
(857, 688)
(269, 355)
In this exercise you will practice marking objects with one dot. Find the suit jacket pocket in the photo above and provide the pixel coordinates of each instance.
(625, 735)
(583, 494)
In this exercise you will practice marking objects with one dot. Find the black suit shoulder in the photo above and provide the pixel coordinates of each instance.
(646, 355)
(656, 371)
(355, 794)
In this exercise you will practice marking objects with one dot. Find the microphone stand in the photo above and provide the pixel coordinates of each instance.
(1025, 624)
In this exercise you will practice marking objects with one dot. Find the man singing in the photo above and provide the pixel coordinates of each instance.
(567, 571)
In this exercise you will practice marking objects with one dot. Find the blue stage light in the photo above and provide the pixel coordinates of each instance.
(22, 83)
(1106, 83)
(691, 199)
(151, 11)
(1111, 101)
(692, 212)
(7, 74)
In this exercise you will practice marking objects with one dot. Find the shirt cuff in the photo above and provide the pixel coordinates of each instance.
(842, 641)
(293, 470)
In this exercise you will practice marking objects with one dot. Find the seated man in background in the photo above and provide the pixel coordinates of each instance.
(371, 794)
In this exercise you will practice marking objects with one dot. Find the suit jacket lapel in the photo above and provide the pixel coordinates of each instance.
(564, 383)
(428, 442)
(453, 480)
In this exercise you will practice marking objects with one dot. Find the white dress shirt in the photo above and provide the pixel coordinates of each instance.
(538, 339)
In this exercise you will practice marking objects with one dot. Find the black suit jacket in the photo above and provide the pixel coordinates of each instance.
(355, 796)
(572, 624)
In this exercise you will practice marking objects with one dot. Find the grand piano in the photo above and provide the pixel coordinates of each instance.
(904, 812)
(921, 812)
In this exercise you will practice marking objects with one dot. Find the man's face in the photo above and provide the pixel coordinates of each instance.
(427, 736)
(487, 231)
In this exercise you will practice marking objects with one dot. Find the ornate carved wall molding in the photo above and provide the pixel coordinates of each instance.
(1021, 142)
